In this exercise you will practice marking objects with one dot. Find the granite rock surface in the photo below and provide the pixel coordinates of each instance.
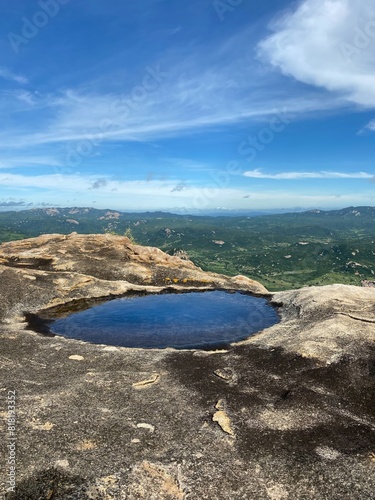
(287, 414)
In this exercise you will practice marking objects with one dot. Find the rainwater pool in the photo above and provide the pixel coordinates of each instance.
(194, 320)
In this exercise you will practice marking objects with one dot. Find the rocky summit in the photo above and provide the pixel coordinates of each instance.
(286, 414)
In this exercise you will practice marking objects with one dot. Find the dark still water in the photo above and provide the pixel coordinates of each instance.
(196, 320)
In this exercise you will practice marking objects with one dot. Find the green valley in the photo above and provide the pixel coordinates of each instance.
(281, 251)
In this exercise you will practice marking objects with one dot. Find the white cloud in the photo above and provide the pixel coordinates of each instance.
(29, 161)
(8, 74)
(139, 194)
(82, 183)
(258, 174)
(167, 113)
(24, 96)
(203, 89)
(60, 190)
(329, 44)
(370, 126)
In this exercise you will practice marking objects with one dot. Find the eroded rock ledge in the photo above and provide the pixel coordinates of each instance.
(54, 269)
(287, 414)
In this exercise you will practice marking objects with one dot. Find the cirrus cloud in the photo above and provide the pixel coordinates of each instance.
(8, 74)
(258, 174)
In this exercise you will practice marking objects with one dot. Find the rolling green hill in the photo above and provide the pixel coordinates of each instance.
(281, 251)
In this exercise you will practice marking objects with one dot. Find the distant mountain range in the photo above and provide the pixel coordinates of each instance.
(89, 212)
(282, 251)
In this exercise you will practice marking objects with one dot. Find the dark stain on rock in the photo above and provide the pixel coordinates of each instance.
(50, 484)
(286, 402)
(38, 324)
(38, 264)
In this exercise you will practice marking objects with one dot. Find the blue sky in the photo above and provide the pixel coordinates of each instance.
(187, 105)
